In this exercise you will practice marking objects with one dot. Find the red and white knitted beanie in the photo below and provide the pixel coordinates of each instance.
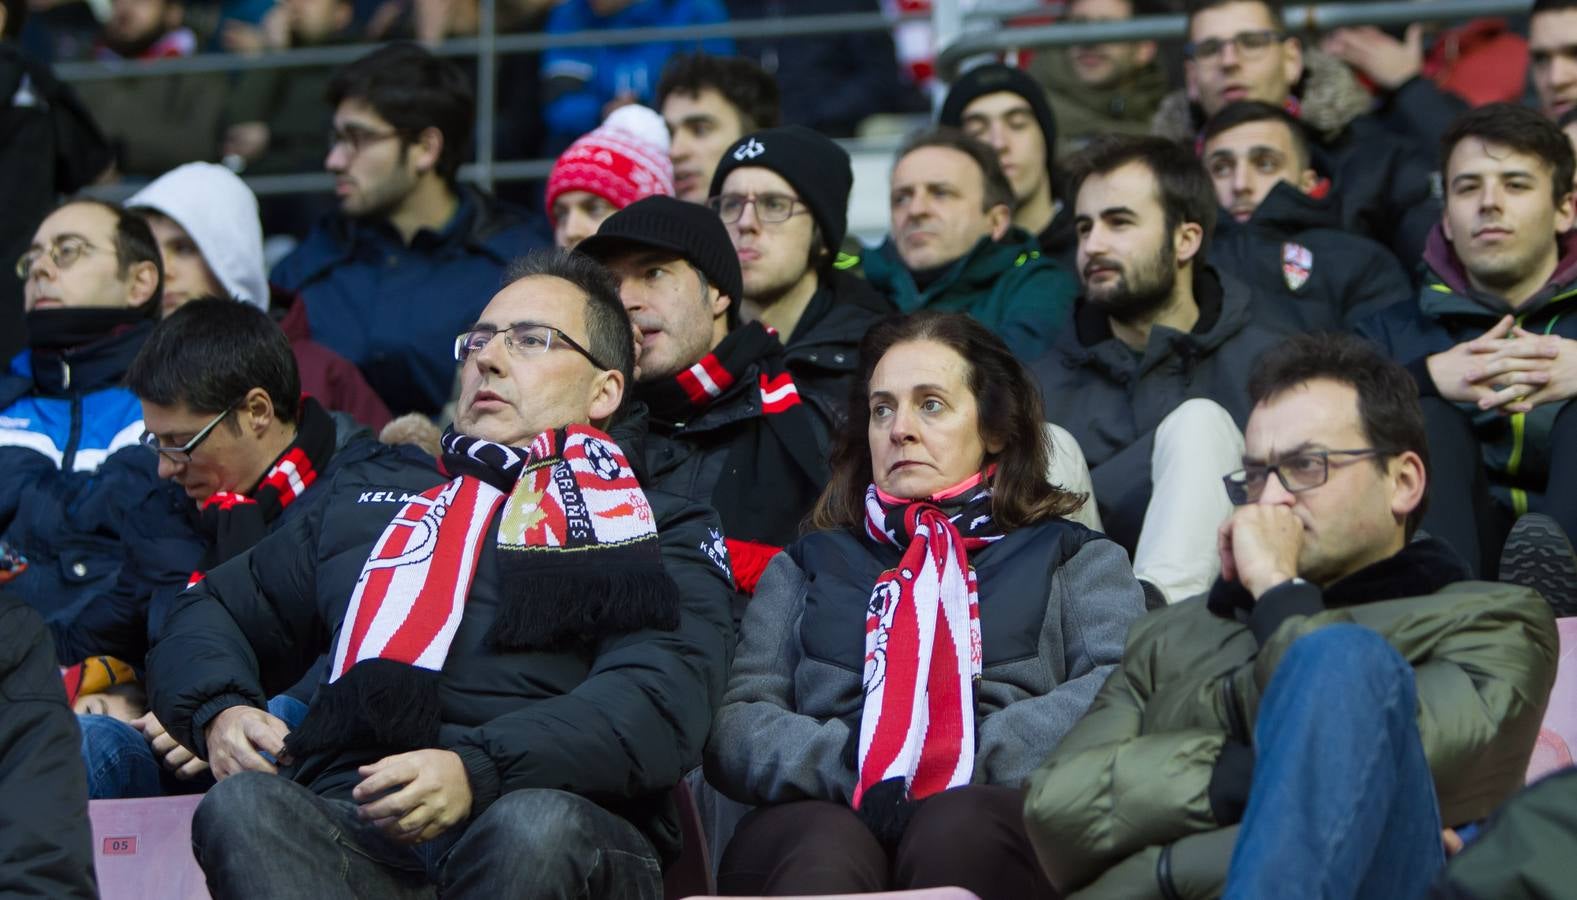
(623, 160)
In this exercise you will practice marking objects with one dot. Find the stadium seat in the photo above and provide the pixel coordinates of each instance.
(142, 849)
(1558, 737)
(691, 873)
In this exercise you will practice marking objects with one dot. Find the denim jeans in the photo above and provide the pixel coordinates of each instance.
(1343, 803)
(121, 763)
(264, 836)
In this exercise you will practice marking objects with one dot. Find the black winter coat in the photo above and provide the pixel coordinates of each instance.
(1387, 185)
(620, 724)
(1112, 399)
(823, 353)
(1303, 271)
(46, 846)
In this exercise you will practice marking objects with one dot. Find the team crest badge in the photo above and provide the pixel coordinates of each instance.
(1296, 262)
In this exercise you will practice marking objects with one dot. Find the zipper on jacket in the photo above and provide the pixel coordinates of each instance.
(68, 459)
(1163, 874)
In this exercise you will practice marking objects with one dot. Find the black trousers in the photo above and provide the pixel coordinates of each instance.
(1462, 512)
(971, 837)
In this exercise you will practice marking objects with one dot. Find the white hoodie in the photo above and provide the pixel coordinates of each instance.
(219, 213)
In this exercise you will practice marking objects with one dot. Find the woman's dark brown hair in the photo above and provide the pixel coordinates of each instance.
(1010, 411)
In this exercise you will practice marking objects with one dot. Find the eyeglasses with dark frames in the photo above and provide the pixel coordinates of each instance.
(356, 139)
(183, 454)
(521, 339)
(1249, 44)
(770, 207)
(1299, 472)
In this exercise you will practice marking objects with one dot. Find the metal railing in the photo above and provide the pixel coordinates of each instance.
(962, 46)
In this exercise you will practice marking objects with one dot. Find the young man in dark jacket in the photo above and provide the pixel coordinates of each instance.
(1241, 50)
(1307, 727)
(92, 279)
(524, 648)
(783, 194)
(241, 453)
(1492, 338)
(954, 246)
(728, 425)
(411, 255)
(709, 102)
(1282, 234)
(1149, 376)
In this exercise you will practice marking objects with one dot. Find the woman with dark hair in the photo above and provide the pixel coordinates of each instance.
(904, 668)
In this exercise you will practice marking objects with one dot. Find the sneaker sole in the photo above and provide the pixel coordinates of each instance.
(1538, 555)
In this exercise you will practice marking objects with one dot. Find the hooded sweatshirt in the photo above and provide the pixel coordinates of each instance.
(219, 213)
(1449, 311)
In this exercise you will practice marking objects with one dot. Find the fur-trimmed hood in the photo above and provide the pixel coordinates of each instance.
(1329, 98)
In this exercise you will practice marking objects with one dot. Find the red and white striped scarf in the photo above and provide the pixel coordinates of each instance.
(922, 641)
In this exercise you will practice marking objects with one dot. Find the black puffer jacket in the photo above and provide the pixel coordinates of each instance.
(620, 724)
(1304, 272)
(824, 350)
(46, 848)
(1112, 399)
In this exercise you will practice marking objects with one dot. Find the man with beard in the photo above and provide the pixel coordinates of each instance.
(1149, 375)
(411, 256)
(68, 428)
(727, 425)
(954, 246)
(1098, 89)
(1492, 340)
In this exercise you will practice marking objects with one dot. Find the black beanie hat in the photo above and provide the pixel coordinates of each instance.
(990, 79)
(666, 223)
(812, 163)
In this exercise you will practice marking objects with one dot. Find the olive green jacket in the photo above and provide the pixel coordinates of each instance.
(1123, 801)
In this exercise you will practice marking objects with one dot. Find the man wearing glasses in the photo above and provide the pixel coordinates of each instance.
(524, 645)
(411, 255)
(783, 194)
(727, 424)
(1317, 723)
(954, 246)
(1241, 50)
(68, 430)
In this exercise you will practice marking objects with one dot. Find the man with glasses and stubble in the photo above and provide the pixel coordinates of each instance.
(241, 452)
(1319, 721)
(92, 278)
(1242, 50)
(411, 255)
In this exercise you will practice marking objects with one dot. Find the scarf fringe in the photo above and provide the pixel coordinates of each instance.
(573, 609)
(886, 809)
(378, 703)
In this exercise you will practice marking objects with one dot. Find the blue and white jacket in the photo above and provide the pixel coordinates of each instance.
(71, 470)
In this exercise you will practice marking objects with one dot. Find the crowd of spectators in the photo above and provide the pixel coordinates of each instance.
(1177, 501)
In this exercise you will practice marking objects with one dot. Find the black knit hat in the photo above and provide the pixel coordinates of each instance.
(816, 167)
(990, 79)
(666, 223)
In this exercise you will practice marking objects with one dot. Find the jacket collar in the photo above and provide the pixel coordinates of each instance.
(1223, 312)
(1425, 566)
(976, 270)
(82, 370)
(1285, 211)
(1451, 275)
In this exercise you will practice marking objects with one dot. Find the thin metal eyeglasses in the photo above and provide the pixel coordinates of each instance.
(183, 454)
(64, 252)
(770, 208)
(521, 339)
(1249, 44)
(1301, 472)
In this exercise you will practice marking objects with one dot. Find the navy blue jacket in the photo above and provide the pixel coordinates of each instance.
(73, 469)
(393, 309)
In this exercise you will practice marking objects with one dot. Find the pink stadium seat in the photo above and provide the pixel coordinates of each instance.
(944, 893)
(1558, 737)
(142, 849)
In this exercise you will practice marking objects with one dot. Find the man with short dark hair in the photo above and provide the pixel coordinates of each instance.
(408, 259)
(1098, 89)
(1552, 56)
(954, 246)
(524, 649)
(1306, 727)
(242, 452)
(68, 429)
(1282, 233)
(1006, 109)
(709, 102)
(1492, 341)
(1149, 376)
(783, 194)
(727, 424)
(1241, 50)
